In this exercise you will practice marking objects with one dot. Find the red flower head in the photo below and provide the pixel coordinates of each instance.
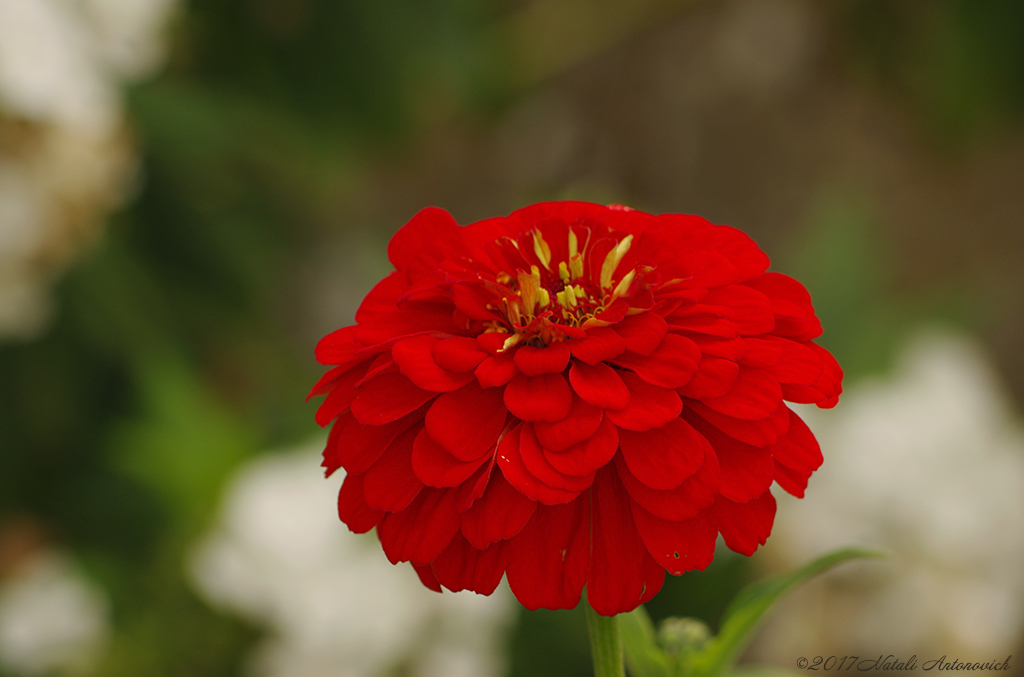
(572, 395)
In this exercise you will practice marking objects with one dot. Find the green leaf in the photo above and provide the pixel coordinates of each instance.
(751, 604)
(644, 657)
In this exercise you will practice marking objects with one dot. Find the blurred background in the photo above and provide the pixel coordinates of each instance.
(193, 192)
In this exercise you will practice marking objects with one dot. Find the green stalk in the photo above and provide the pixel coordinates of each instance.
(605, 644)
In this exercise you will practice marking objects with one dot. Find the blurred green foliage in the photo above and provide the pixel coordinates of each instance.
(172, 357)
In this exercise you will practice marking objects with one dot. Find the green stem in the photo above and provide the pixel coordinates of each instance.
(605, 644)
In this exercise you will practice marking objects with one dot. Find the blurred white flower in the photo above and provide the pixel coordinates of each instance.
(65, 156)
(928, 465)
(52, 619)
(333, 603)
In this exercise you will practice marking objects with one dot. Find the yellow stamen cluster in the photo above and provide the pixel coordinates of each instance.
(567, 299)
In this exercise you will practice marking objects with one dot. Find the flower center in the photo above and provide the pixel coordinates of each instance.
(558, 299)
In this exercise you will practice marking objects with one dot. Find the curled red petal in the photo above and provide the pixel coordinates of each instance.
(583, 458)
(458, 354)
(599, 384)
(681, 503)
(671, 365)
(415, 358)
(352, 507)
(760, 433)
(714, 377)
(682, 545)
(537, 463)
(551, 359)
(436, 467)
(642, 332)
(753, 396)
(663, 457)
(549, 559)
(746, 471)
(578, 425)
(388, 398)
(461, 566)
(496, 370)
(427, 577)
(390, 483)
(649, 406)
(421, 245)
(600, 344)
(499, 513)
(745, 526)
(752, 311)
(419, 533)
(538, 398)
(358, 446)
(794, 482)
(797, 449)
(512, 467)
(467, 422)
(616, 582)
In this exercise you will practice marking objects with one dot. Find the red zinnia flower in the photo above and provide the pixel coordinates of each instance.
(572, 395)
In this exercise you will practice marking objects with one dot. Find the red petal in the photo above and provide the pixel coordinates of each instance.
(678, 546)
(798, 449)
(458, 354)
(427, 576)
(682, 503)
(405, 322)
(764, 352)
(496, 371)
(746, 471)
(419, 533)
(551, 359)
(340, 398)
(649, 406)
(460, 566)
(642, 332)
(335, 375)
(728, 349)
(793, 481)
(670, 366)
(601, 344)
(754, 396)
(512, 467)
(599, 385)
(747, 525)
(752, 311)
(467, 422)
(337, 347)
(500, 513)
(578, 425)
(390, 484)
(616, 581)
(584, 458)
(538, 398)
(435, 467)
(715, 377)
(762, 433)
(800, 364)
(388, 398)
(551, 555)
(359, 446)
(662, 458)
(430, 237)
(472, 299)
(416, 360)
(352, 508)
(537, 463)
